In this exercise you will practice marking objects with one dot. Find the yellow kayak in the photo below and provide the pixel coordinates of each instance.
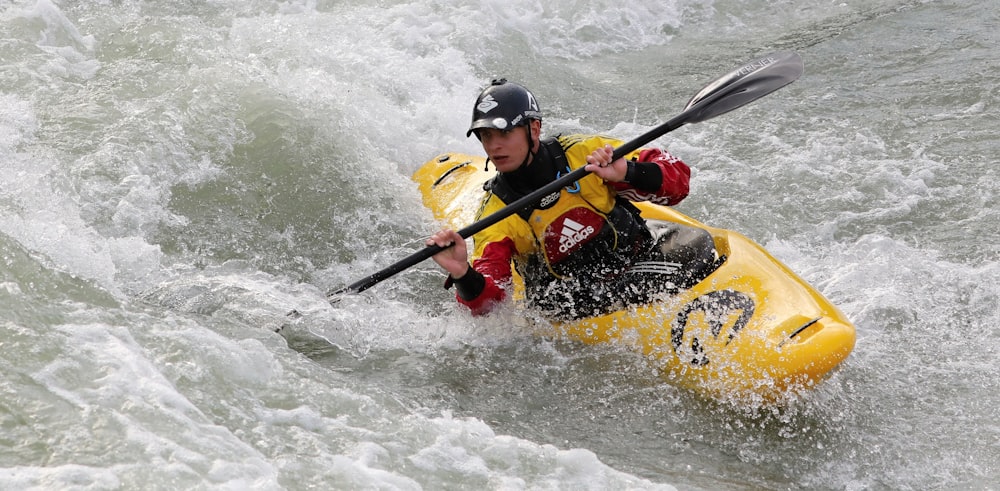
(751, 330)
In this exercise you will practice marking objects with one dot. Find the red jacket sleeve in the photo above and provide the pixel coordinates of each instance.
(675, 178)
(494, 265)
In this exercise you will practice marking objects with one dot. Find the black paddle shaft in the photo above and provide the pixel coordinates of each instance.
(737, 88)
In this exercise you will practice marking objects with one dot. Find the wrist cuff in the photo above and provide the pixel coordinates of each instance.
(629, 172)
(646, 176)
(469, 286)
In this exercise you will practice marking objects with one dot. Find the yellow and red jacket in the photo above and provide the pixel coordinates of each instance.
(567, 223)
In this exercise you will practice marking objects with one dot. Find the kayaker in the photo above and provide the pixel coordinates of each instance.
(583, 250)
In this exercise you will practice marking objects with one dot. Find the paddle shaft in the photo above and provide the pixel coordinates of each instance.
(739, 87)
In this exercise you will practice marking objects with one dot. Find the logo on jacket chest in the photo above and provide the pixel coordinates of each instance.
(571, 231)
(549, 200)
(574, 233)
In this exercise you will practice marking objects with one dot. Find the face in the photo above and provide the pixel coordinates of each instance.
(507, 149)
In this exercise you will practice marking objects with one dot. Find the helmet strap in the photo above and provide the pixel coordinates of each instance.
(531, 146)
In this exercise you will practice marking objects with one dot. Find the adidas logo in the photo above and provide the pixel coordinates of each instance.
(548, 200)
(572, 234)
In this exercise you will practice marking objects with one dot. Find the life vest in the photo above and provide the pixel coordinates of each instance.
(582, 230)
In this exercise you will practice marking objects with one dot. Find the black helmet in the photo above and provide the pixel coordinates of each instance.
(503, 105)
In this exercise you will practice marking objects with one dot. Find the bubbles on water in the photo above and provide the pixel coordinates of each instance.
(17, 125)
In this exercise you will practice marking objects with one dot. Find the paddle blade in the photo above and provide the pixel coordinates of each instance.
(744, 85)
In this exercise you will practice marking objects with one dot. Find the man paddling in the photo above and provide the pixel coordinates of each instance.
(583, 250)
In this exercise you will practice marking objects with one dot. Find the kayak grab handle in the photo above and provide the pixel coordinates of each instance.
(798, 331)
(449, 171)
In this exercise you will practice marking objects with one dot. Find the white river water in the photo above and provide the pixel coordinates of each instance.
(177, 175)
